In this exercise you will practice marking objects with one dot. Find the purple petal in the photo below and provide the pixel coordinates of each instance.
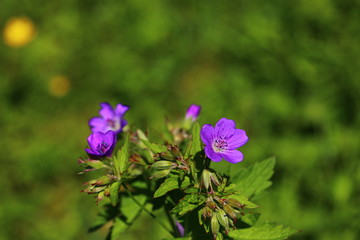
(123, 124)
(225, 127)
(90, 151)
(97, 124)
(106, 111)
(95, 139)
(210, 153)
(180, 228)
(207, 133)
(193, 112)
(121, 109)
(238, 139)
(233, 156)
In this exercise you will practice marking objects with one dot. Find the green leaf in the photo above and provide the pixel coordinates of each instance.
(95, 164)
(171, 183)
(188, 203)
(196, 142)
(154, 147)
(251, 181)
(118, 227)
(243, 200)
(121, 161)
(114, 193)
(250, 219)
(267, 231)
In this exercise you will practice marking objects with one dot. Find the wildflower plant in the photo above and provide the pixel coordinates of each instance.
(139, 176)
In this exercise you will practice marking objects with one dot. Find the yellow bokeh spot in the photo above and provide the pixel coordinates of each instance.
(18, 32)
(59, 86)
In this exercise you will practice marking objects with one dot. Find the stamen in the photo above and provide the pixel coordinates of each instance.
(220, 144)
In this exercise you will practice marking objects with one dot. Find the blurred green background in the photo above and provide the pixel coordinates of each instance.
(286, 71)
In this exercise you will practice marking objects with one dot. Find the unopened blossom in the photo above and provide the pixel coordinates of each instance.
(193, 112)
(101, 144)
(222, 141)
(110, 119)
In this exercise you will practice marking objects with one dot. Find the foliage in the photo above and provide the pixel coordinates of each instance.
(178, 179)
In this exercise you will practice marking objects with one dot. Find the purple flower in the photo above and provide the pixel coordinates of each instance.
(222, 141)
(101, 144)
(111, 119)
(193, 112)
(180, 228)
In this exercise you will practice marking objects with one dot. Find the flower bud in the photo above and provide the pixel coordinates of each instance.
(223, 219)
(160, 174)
(211, 205)
(230, 211)
(206, 178)
(215, 227)
(162, 165)
(207, 212)
(234, 203)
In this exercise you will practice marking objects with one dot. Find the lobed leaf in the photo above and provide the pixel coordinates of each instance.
(154, 147)
(196, 142)
(114, 193)
(188, 203)
(255, 179)
(121, 161)
(171, 183)
(267, 231)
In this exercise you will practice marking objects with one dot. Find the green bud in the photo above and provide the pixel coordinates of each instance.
(162, 165)
(223, 219)
(214, 179)
(215, 226)
(160, 174)
(206, 178)
(167, 156)
(207, 212)
(230, 211)
(211, 205)
(234, 203)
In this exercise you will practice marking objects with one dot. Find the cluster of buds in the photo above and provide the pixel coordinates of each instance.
(167, 161)
(220, 212)
(209, 180)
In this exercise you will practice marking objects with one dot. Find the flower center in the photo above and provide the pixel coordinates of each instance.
(102, 147)
(220, 144)
(112, 123)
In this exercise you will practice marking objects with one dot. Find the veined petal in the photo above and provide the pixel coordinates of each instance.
(109, 137)
(90, 151)
(97, 124)
(225, 127)
(106, 111)
(233, 156)
(207, 133)
(94, 139)
(238, 139)
(210, 153)
(121, 109)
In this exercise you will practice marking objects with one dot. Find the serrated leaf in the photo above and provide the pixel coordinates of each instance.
(255, 179)
(250, 219)
(114, 193)
(267, 231)
(188, 203)
(121, 161)
(170, 184)
(196, 142)
(154, 147)
(95, 163)
(243, 200)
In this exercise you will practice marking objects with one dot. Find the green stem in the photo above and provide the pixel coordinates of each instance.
(147, 211)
